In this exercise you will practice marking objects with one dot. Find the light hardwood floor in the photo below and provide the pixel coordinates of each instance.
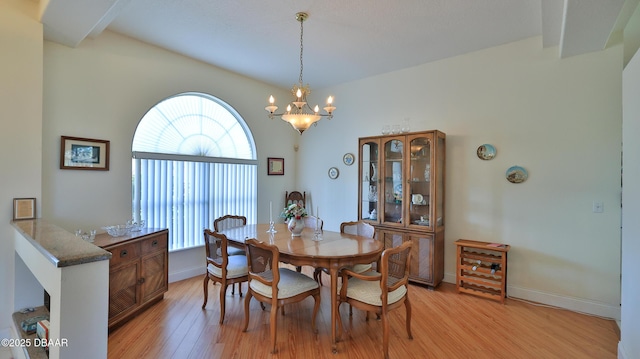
(445, 324)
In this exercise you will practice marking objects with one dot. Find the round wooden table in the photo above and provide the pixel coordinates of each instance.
(331, 250)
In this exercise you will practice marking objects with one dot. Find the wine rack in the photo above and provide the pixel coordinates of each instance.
(482, 269)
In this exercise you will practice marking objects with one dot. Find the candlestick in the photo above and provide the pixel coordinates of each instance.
(271, 229)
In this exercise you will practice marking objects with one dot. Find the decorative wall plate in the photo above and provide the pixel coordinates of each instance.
(516, 174)
(486, 152)
(348, 159)
(333, 173)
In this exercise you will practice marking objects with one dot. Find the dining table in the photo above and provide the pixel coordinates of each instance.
(319, 249)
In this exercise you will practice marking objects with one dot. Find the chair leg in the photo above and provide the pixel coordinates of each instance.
(407, 306)
(316, 307)
(206, 290)
(385, 333)
(233, 289)
(317, 275)
(273, 326)
(223, 292)
(247, 300)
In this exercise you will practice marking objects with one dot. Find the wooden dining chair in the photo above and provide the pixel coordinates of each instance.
(359, 228)
(295, 197)
(230, 221)
(312, 221)
(226, 222)
(222, 268)
(275, 286)
(380, 292)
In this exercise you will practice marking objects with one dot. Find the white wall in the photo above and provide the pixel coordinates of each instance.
(21, 120)
(560, 119)
(629, 346)
(101, 90)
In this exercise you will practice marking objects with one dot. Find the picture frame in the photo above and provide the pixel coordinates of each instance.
(77, 153)
(275, 166)
(24, 208)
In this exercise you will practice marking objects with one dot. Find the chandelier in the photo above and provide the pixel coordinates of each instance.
(299, 114)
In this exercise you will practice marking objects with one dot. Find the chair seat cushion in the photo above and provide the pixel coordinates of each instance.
(291, 284)
(231, 251)
(237, 267)
(361, 268)
(369, 291)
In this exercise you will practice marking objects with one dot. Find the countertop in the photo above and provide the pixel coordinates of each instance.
(62, 248)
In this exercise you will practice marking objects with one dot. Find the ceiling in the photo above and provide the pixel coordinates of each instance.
(343, 40)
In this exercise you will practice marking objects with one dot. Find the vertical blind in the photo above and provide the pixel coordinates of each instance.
(186, 196)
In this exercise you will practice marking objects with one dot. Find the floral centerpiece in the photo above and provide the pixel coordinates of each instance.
(293, 216)
(294, 210)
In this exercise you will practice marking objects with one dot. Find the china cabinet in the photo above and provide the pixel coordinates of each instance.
(401, 192)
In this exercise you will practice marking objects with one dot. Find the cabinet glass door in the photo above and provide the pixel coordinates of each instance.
(393, 180)
(369, 181)
(419, 180)
(440, 181)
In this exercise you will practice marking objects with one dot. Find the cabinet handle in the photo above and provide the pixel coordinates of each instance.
(154, 243)
(141, 281)
(123, 253)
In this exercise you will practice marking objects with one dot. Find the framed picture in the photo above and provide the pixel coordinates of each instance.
(24, 208)
(84, 154)
(275, 166)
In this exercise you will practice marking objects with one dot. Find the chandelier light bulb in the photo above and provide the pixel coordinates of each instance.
(316, 109)
(329, 100)
(299, 93)
(272, 100)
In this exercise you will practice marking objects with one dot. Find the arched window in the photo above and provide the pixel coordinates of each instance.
(194, 159)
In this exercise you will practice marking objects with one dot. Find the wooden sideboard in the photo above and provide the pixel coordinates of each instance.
(138, 272)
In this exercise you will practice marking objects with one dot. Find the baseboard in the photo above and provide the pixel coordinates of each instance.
(186, 274)
(570, 303)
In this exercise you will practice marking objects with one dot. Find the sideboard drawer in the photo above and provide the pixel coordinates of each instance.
(125, 253)
(154, 243)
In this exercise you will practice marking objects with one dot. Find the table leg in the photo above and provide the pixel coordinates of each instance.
(334, 307)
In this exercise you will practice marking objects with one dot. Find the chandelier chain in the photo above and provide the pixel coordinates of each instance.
(301, 32)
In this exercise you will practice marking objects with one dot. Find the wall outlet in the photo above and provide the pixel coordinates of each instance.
(598, 207)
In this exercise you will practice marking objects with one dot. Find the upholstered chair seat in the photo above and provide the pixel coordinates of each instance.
(291, 284)
(370, 292)
(236, 267)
